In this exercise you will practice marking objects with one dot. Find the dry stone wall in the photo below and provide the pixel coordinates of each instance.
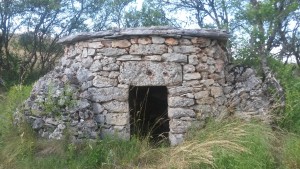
(87, 92)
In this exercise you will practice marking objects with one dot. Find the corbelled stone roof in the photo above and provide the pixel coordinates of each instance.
(146, 31)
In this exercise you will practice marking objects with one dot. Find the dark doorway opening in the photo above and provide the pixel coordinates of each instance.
(149, 112)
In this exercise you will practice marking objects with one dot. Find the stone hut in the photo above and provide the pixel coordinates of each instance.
(156, 81)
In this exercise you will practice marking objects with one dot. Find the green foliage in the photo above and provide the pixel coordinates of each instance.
(54, 105)
(291, 83)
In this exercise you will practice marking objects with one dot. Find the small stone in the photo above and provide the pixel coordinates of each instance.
(191, 76)
(193, 60)
(144, 41)
(84, 52)
(116, 107)
(114, 74)
(180, 112)
(95, 45)
(97, 108)
(112, 52)
(91, 52)
(185, 42)
(150, 49)
(186, 49)
(111, 67)
(207, 82)
(216, 91)
(175, 139)
(153, 58)
(96, 66)
(107, 94)
(202, 42)
(107, 43)
(129, 57)
(120, 44)
(180, 101)
(119, 119)
(158, 40)
(177, 91)
(171, 41)
(189, 69)
(174, 57)
(211, 69)
(201, 94)
(210, 61)
(202, 67)
(82, 104)
(100, 81)
(205, 100)
(87, 62)
(38, 123)
(84, 75)
(134, 40)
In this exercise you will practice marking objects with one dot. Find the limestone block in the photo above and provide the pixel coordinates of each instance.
(84, 75)
(180, 101)
(202, 42)
(38, 123)
(211, 69)
(203, 109)
(146, 73)
(193, 60)
(111, 67)
(186, 49)
(153, 58)
(189, 69)
(174, 57)
(107, 43)
(216, 91)
(91, 52)
(84, 52)
(82, 104)
(117, 118)
(205, 100)
(150, 49)
(121, 44)
(113, 52)
(107, 94)
(219, 65)
(171, 41)
(192, 76)
(87, 62)
(144, 40)
(175, 139)
(97, 108)
(180, 112)
(116, 107)
(129, 57)
(202, 67)
(179, 126)
(100, 81)
(210, 61)
(203, 58)
(158, 40)
(96, 66)
(201, 94)
(114, 74)
(95, 45)
(185, 42)
(177, 91)
(191, 83)
(134, 40)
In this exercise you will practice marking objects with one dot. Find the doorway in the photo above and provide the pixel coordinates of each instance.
(149, 112)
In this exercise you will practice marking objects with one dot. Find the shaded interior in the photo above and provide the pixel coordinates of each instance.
(149, 112)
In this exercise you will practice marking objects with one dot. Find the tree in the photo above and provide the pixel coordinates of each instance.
(150, 15)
